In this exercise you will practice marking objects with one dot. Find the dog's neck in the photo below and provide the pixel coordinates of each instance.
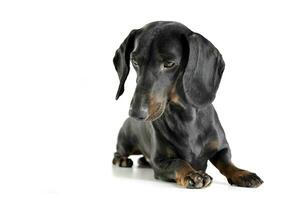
(178, 104)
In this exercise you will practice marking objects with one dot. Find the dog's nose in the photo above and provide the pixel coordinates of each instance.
(139, 114)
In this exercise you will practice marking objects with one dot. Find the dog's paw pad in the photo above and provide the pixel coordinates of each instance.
(197, 179)
(121, 161)
(245, 178)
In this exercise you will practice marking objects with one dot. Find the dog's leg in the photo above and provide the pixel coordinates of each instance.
(125, 148)
(234, 175)
(181, 172)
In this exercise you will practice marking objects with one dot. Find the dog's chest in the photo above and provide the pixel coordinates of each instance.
(189, 133)
(192, 144)
(187, 139)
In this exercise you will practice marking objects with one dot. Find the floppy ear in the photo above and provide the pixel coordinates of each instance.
(121, 60)
(203, 72)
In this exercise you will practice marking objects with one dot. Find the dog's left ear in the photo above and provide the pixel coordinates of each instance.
(203, 71)
(121, 60)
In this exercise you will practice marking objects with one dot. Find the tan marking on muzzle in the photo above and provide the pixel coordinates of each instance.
(155, 108)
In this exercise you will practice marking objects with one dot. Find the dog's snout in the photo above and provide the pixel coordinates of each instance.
(139, 107)
(139, 114)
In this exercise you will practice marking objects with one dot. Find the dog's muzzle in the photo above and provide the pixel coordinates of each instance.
(146, 109)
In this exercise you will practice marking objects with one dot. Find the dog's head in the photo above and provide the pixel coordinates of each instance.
(171, 62)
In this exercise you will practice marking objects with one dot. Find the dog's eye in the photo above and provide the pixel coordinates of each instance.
(169, 65)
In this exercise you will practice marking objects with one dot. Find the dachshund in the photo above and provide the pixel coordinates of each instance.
(172, 122)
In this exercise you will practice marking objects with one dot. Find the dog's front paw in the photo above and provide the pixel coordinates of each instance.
(244, 178)
(122, 161)
(195, 180)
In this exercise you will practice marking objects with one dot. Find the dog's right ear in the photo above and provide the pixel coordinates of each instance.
(122, 60)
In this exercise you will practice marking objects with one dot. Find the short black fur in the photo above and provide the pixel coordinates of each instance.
(172, 122)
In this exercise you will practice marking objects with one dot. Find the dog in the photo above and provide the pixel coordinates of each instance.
(172, 122)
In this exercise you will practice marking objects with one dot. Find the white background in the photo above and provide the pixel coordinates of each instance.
(59, 120)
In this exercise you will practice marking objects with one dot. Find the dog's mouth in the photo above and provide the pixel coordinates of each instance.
(157, 111)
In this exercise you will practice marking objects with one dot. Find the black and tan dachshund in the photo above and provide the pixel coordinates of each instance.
(172, 122)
